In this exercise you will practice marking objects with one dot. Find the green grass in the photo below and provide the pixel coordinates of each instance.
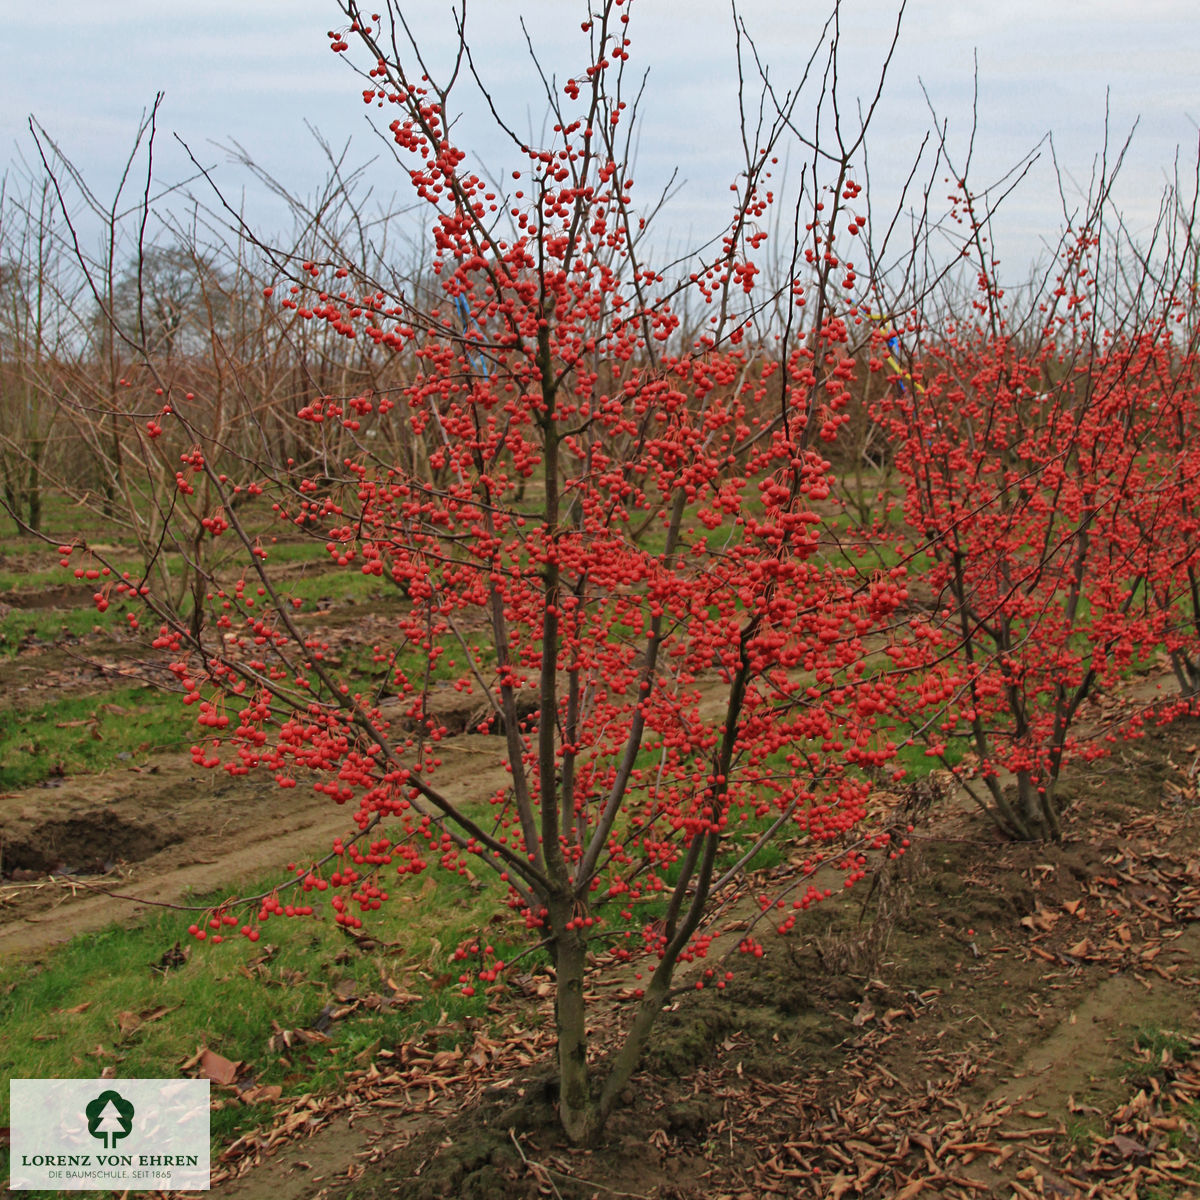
(32, 581)
(89, 733)
(1156, 1041)
(45, 624)
(50, 624)
(1082, 1132)
(338, 583)
(61, 517)
(307, 551)
(917, 764)
(299, 552)
(103, 1000)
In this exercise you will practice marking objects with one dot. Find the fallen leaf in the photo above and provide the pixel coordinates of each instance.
(285, 1039)
(865, 1013)
(127, 1022)
(1127, 1147)
(397, 998)
(175, 957)
(218, 1068)
(839, 1186)
(194, 1061)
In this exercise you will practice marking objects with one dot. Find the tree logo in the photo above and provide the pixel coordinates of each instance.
(109, 1117)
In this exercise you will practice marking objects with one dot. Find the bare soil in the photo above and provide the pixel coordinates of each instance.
(160, 833)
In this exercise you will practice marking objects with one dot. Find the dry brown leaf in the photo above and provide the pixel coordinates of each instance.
(865, 1013)
(398, 997)
(839, 1185)
(127, 1022)
(218, 1068)
(1127, 1147)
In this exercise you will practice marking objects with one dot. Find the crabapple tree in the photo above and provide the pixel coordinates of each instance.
(615, 538)
(1050, 490)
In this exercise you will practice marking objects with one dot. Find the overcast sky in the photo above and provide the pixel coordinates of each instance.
(254, 71)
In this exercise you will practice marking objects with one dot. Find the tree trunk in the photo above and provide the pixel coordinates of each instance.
(578, 1111)
(33, 489)
(1038, 808)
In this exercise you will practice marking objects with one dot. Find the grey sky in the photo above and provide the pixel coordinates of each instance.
(254, 70)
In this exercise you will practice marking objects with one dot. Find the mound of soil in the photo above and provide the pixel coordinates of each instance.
(90, 842)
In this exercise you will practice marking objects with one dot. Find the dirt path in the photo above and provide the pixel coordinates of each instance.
(167, 830)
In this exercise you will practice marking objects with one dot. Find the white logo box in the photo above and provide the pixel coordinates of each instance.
(75, 1135)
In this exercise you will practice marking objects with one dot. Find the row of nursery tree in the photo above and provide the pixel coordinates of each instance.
(722, 546)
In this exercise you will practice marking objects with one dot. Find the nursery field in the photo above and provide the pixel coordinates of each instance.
(978, 1018)
(526, 705)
